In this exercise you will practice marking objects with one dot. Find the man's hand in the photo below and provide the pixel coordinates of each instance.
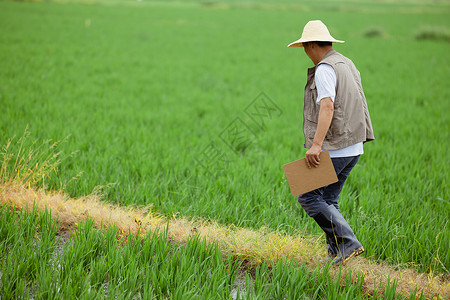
(312, 156)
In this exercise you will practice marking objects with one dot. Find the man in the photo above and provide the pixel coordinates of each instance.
(335, 118)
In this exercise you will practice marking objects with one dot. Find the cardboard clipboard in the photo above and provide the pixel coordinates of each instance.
(302, 179)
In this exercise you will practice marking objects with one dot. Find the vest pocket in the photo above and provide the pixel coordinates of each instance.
(310, 129)
(311, 109)
(338, 125)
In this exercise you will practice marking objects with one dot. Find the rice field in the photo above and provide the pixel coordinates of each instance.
(147, 97)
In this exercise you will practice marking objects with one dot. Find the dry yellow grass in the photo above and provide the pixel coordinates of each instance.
(251, 246)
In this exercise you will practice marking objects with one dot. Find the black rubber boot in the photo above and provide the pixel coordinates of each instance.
(340, 237)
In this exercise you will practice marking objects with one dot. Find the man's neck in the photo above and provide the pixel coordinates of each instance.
(321, 52)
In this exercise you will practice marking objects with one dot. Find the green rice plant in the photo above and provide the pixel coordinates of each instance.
(46, 238)
(14, 273)
(29, 236)
(8, 229)
(46, 286)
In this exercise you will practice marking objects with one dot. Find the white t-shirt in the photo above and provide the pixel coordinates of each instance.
(325, 79)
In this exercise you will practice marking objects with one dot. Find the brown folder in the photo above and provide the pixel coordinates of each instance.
(302, 179)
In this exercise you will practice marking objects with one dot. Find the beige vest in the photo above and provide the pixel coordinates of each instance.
(351, 121)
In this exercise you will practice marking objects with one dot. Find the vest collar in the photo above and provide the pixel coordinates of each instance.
(328, 54)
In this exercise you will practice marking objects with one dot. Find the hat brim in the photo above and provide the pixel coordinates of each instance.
(299, 42)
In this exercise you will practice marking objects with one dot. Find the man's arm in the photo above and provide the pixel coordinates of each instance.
(325, 116)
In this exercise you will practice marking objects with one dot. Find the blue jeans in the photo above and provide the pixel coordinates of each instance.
(315, 201)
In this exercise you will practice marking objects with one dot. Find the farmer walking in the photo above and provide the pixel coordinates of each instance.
(335, 118)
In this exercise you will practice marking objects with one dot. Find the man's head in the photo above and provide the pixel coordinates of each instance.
(316, 50)
(314, 31)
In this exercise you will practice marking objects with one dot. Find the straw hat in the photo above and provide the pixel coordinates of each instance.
(314, 31)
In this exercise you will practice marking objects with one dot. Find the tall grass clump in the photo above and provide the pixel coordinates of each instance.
(31, 162)
(374, 32)
(433, 33)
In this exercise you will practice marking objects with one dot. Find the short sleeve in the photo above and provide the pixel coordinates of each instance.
(325, 79)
